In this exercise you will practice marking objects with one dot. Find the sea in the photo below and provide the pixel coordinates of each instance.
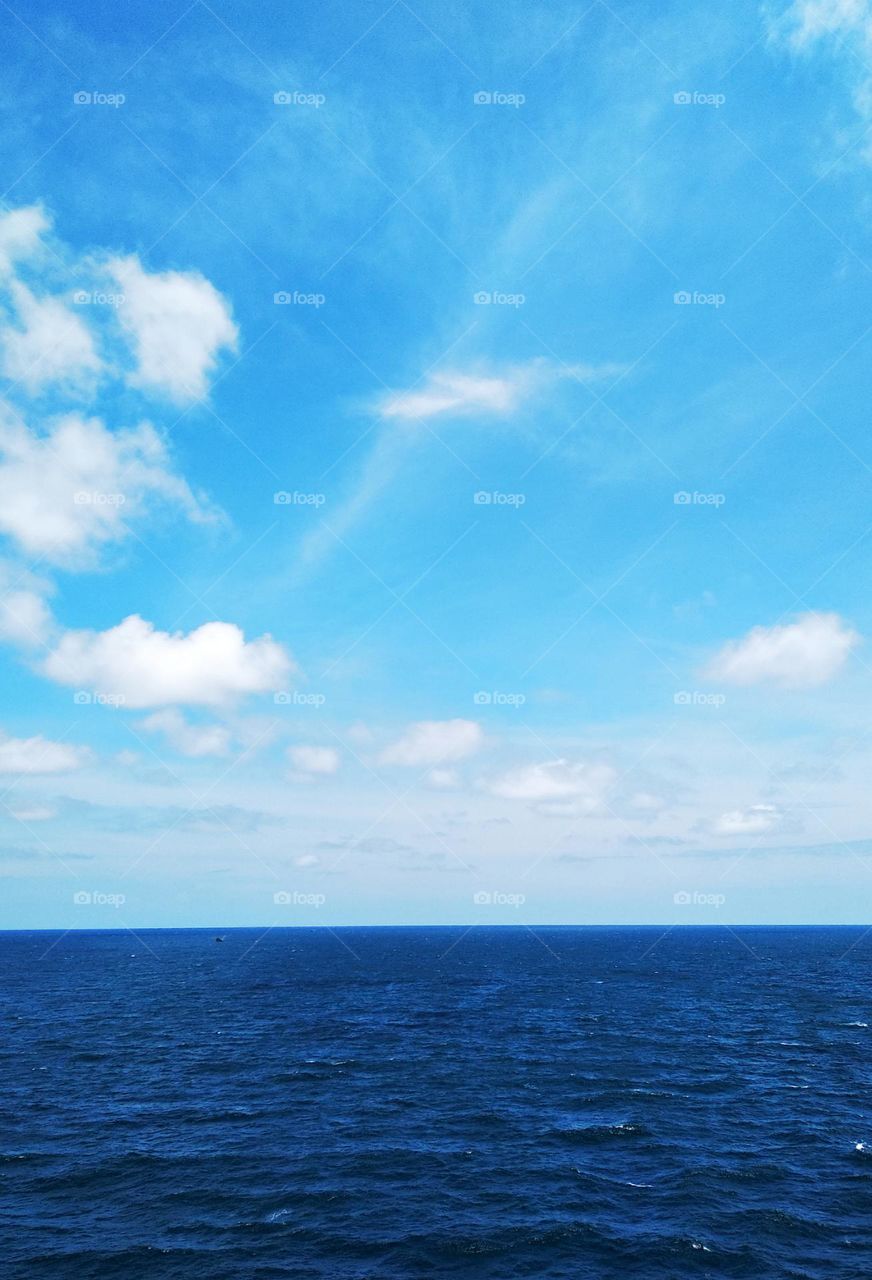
(436, 1102)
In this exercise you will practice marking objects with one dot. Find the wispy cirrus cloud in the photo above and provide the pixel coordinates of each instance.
(459, 394)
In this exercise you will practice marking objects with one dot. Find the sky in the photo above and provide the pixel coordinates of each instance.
(435, 463)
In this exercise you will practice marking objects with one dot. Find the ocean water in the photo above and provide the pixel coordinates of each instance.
(437, 1102)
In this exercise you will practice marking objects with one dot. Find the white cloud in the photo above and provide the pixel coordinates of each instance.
(434, 742)
(306, 860)
(210, 666)
(803, 653)
(177, 322)
(843, 26)
(20, 232)
(186, 738)
(50, 344)
(758, 820)
(809, 20)
(67, 492)
(557, 787)
(472, 394)
(25, 618)
(321, 760)
(38, 755)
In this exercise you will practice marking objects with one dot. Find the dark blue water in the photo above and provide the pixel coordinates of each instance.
(434, 1102)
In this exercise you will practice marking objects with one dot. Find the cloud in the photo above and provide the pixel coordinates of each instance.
(20, 232)
(50, 344)
(211, 666)
(758, 820)
(37, 755)
(25, 618)
(434, 742)
(458, 394)
(558, 787)
(178, 323)
(843, 26)
(319, 760)
(67, 492)
(803, 653)
(809, 20)
(189, 739)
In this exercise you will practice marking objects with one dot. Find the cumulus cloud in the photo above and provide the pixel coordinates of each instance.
(49, 344)
(317, 760)
(557, 787)
(457, 394)
(434, 742)
(757, 820)
(210, 666)
(177, 323)
(20, 234)
(803, 653)
(38, 755)
(68, 491)
(186, 738)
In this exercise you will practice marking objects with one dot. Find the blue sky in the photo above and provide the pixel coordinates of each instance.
(434, 464)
